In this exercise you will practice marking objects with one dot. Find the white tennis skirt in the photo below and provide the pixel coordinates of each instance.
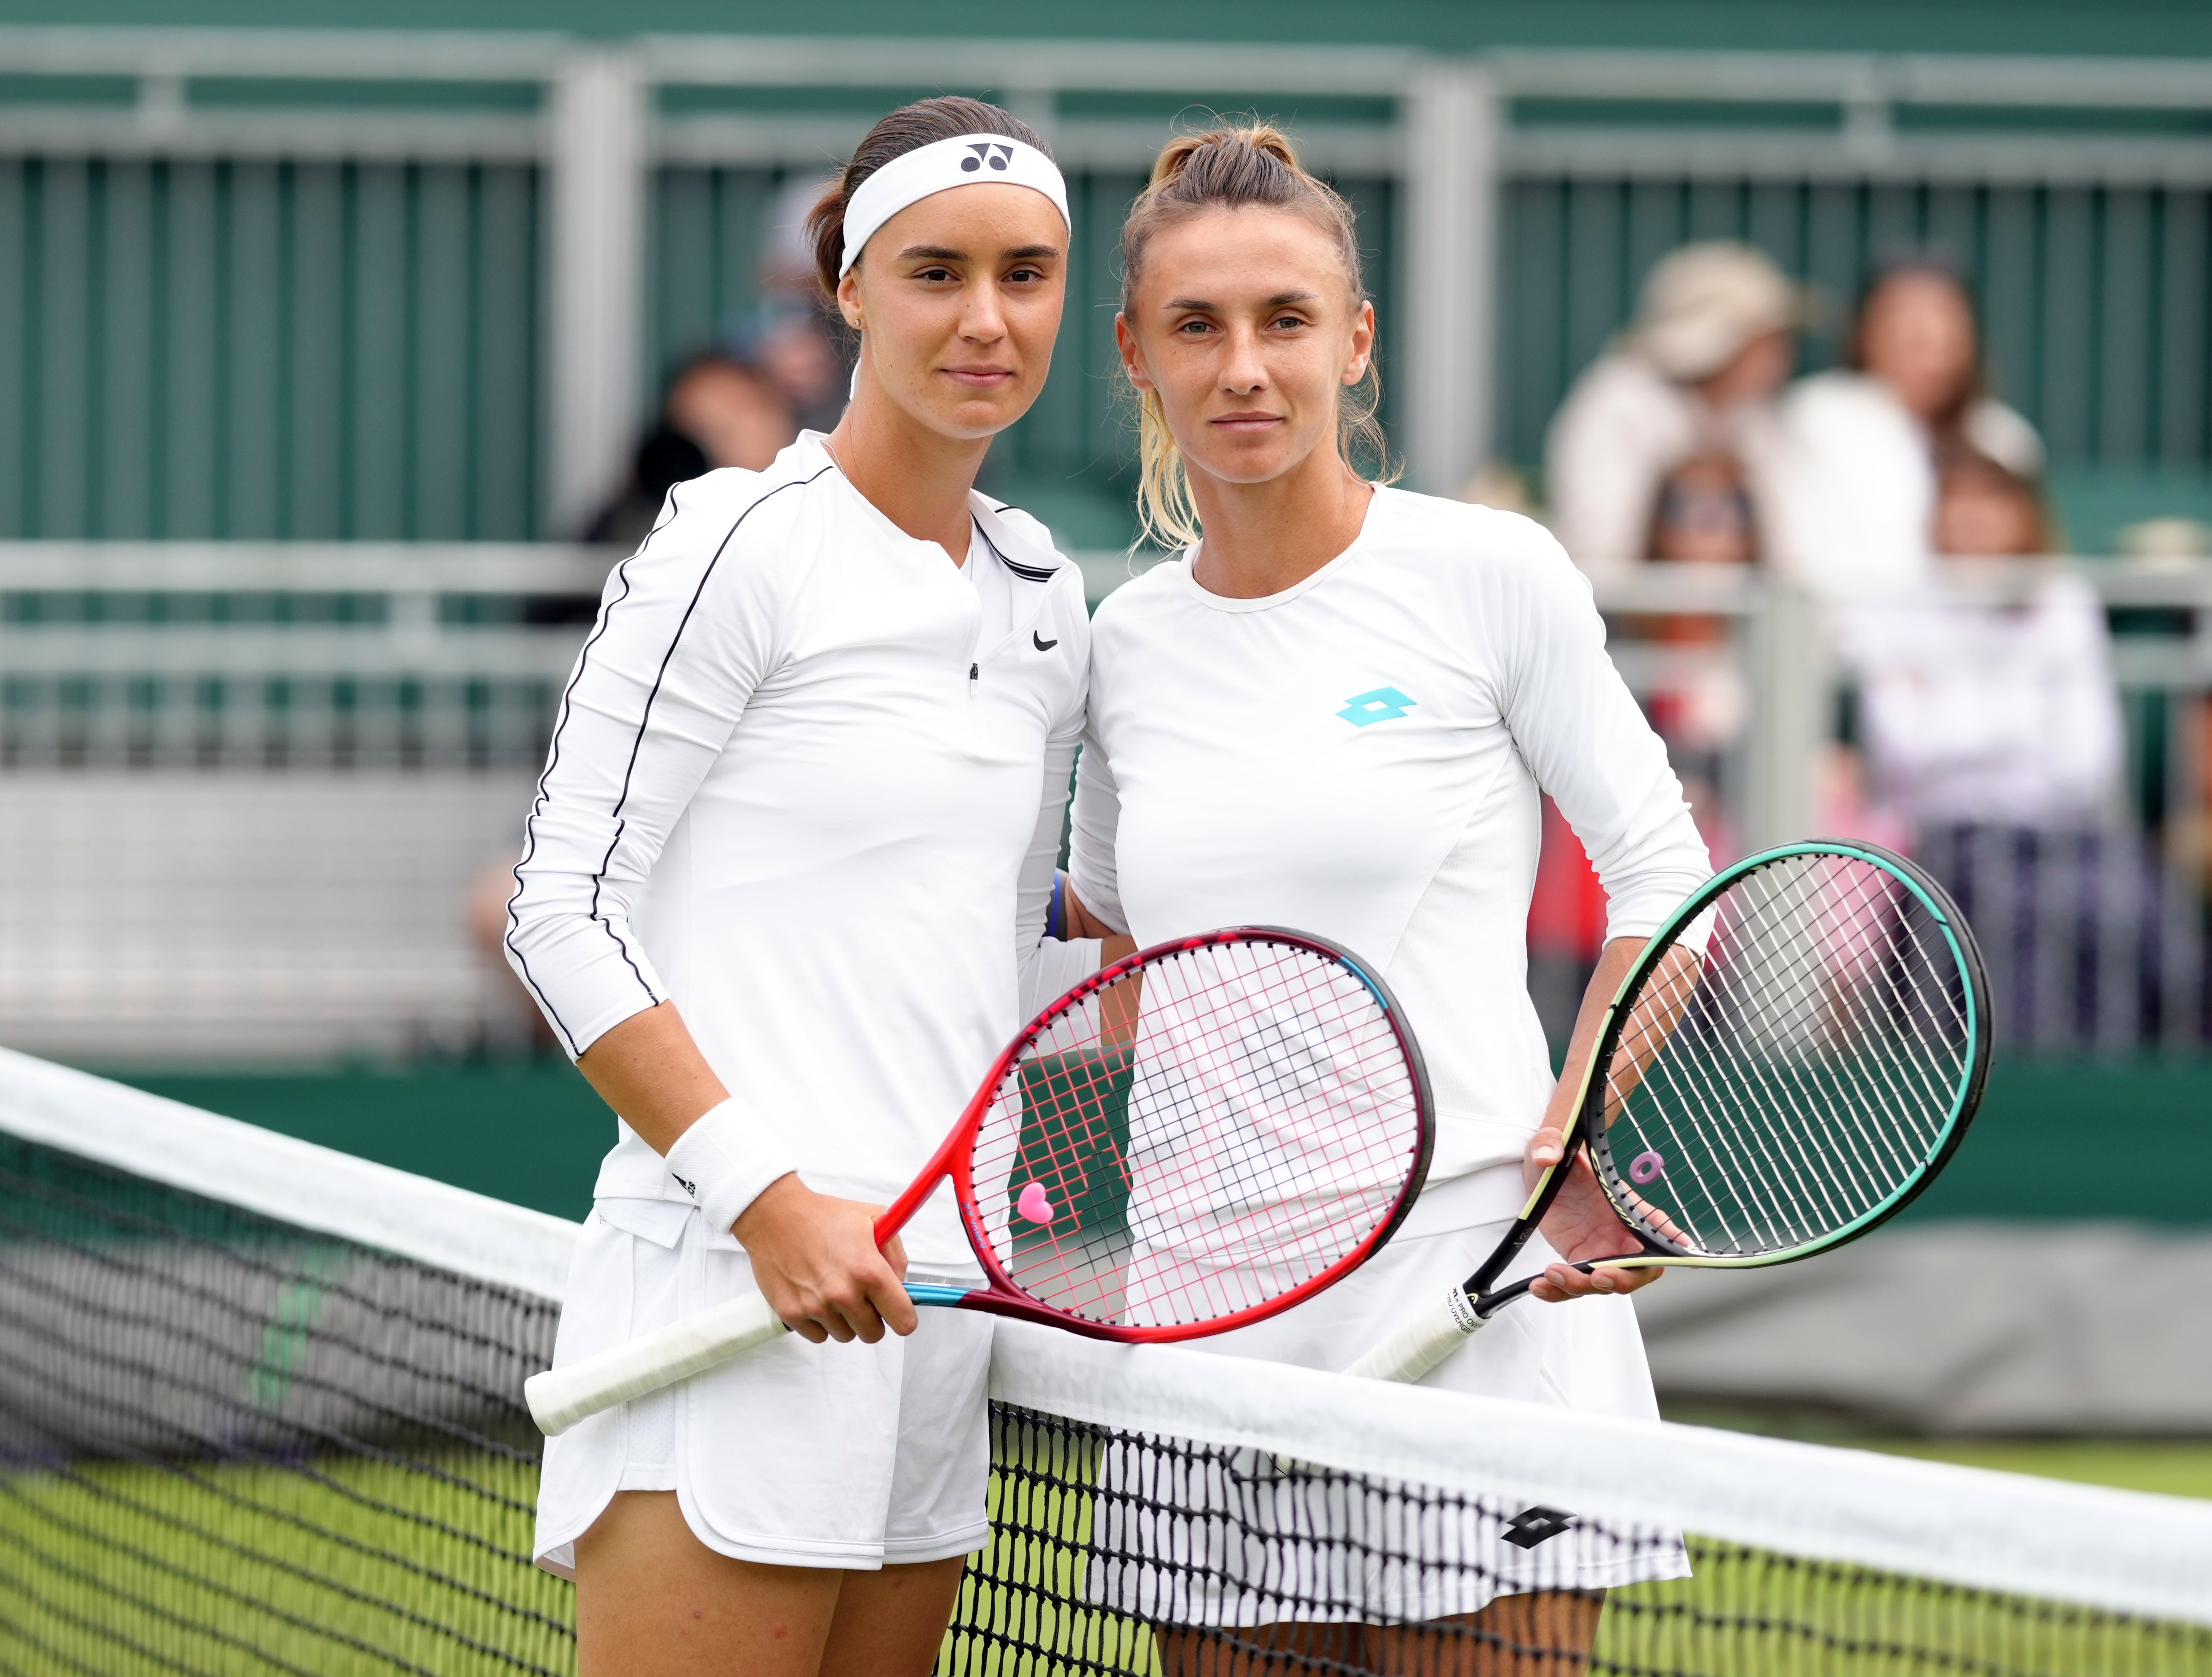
(793, 1455)
(1220, 1537)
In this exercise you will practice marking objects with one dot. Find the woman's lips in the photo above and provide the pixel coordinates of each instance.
(979, 378)
(1248, 422)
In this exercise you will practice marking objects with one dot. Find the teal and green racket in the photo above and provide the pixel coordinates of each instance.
(1793, 1056)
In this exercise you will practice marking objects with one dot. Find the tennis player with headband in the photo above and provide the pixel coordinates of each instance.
(1336, 713)
(785, 883)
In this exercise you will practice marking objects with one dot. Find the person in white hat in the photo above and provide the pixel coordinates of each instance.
(1696, 372)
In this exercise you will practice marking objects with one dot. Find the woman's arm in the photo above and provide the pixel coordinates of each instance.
(1588, 744)
(685, 632)
(1082, 923)
(814, 1256)
(1094, 871)
(1582, 1225)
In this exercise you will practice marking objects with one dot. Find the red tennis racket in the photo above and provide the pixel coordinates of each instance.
(1193, 1139)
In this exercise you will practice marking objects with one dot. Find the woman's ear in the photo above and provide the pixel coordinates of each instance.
(1125, 337)
(1363, 345)
(848, 299)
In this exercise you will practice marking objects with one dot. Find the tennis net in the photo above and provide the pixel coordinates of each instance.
(261, 1412)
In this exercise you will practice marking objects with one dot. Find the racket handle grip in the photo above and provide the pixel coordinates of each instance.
(1419, 1343)
(559, 1398)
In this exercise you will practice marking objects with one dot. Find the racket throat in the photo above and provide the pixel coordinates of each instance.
(1462, 1308)
(937, 1292)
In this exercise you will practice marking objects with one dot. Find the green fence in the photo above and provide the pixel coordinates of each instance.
(293, 284)
(257, 350)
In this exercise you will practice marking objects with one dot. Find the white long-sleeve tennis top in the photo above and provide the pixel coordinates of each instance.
(807, 783)
(1360, 756)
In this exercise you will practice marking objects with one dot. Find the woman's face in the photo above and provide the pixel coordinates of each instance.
(1978, 515)
(958, 299)
(1703, 516)
(1243, 322)
(1917, 336)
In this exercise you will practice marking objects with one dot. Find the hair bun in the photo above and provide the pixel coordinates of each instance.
(1263, 138)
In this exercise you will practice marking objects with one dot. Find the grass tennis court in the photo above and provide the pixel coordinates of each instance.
(359, 1567)
(336, 1567)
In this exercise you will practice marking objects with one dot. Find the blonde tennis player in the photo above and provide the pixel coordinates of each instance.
(1336, 710)
(787, 874)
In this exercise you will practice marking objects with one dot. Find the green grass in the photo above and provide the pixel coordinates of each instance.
(2174, 1469)
(341, 1568)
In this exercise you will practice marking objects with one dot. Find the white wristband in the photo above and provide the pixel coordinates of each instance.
(724, 1160)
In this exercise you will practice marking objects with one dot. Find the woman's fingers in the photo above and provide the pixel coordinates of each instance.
(1562, 1282)
(1544, 1147)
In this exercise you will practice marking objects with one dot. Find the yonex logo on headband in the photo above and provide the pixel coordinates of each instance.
(965, 159)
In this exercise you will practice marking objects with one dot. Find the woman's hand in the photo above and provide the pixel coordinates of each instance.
(816, 1261)
(1581, 1226)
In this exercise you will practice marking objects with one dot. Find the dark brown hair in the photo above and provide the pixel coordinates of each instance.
(1947, 427)
(910, 127)
(1230, 168)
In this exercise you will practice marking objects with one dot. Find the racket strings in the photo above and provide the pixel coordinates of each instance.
(1797, 1106)
(1807, 1074)
(1206, 1133)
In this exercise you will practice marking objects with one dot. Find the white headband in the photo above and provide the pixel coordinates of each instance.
(966, 159)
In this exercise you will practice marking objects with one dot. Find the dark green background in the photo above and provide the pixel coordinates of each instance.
(2142, 27)
(2054, 1140)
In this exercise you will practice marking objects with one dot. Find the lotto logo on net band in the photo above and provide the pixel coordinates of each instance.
(987, 153)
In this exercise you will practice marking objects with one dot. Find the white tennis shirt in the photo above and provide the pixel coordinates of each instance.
(807, 783)
(1360, 756)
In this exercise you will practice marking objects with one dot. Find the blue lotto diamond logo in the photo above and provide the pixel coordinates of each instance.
(1384, 704)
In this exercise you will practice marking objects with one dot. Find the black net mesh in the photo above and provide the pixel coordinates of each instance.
(1121, 1552)
(232, 1447)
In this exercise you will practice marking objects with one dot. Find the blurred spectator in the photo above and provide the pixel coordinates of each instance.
(1984, 510)
(1703, 516)
(735, 410)
(798, 345)
(795, 336)
(1854, 497)
(1698, 702)
(1981, 714)
(718, 411)
(1501, 485)
(1695, 374)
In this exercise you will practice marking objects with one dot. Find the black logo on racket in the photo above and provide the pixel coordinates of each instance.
(988, 152)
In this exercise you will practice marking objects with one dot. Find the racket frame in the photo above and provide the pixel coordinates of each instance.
(1590, 1101)
(1002, 1296)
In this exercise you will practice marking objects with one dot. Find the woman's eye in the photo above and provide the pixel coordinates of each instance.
(1290, 320)
(1194, 328)
(934, 274)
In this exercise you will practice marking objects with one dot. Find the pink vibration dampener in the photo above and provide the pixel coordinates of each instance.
(1035, 1205)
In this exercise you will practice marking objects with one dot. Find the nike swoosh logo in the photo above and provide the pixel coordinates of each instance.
(1040, 642)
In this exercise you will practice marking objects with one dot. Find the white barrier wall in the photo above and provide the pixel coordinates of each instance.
(168, 918)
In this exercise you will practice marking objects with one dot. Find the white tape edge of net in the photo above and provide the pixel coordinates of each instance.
(2123, 1551)
(290, 1180)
